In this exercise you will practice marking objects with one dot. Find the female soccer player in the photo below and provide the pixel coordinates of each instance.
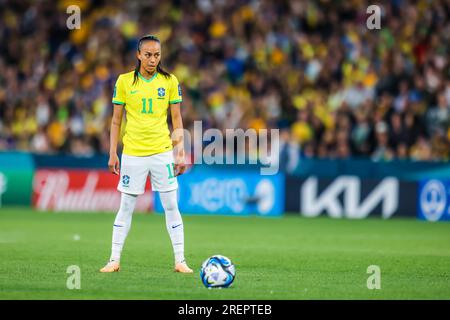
(146, 93)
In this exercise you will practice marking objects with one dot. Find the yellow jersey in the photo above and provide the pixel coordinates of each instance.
(146, 103)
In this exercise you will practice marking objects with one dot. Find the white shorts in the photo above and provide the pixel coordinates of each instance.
(135, 170)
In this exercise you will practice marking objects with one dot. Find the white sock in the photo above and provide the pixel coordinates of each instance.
(122, 224)
(174, 223)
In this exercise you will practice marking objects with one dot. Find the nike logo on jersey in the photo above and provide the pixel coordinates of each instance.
(173, 227)
(134, 91)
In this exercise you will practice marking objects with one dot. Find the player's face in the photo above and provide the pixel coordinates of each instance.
(150, 55)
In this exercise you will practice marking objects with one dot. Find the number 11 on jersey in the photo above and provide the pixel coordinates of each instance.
(150, 105)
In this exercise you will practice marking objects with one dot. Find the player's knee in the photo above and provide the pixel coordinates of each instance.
(170, 206)
(127, 203)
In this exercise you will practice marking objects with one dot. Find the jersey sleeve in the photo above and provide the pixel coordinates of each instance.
(119, 96)
(175, 91)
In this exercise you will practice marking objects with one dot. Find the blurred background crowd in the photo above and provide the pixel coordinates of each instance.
(313, 69)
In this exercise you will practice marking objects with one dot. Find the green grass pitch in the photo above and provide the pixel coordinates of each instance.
(276, 258)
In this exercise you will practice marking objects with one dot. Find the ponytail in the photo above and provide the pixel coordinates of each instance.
(160, 69)
(136, 71)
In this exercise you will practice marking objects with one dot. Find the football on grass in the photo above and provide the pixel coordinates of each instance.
(217, 272)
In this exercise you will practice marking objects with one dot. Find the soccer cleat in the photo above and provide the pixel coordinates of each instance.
(182, 267)
(111, 266)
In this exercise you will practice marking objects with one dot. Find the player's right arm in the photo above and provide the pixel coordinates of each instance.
(119, 101)
(116, 122)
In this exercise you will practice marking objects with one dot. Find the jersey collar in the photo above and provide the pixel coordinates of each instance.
(149, 80)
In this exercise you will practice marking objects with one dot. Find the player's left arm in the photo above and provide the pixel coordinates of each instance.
(178, 138)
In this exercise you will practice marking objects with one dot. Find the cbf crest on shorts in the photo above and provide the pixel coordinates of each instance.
(126, 181)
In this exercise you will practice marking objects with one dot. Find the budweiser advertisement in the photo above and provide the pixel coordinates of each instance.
(82, 190)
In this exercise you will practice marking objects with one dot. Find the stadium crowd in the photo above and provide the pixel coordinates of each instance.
(311, 68)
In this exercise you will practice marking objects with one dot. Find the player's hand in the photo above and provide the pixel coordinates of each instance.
(180, 163)
(114, 163)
